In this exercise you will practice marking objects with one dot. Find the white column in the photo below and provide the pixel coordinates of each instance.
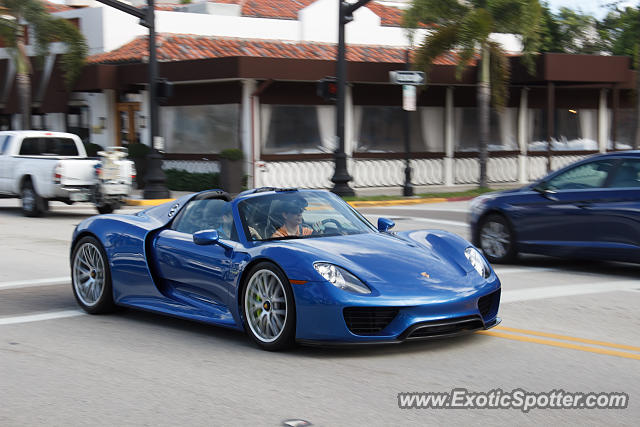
(349, 122)
(144, 112)
(603, 125)
(449, 147)
(111, 115)
(246, 129)
(523, 132)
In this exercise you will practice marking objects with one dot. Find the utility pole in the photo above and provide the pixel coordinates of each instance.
(341, 176)
(155, 180)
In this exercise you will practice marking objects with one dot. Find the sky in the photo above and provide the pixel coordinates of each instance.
(596, 8)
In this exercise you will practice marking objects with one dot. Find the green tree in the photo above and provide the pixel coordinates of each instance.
(579, 32)
(551, 38)
(620, 32)
(466, 26)
(15, 17)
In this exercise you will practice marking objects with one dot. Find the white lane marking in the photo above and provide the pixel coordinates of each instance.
(38, 317)
(438, 221)
(531, 294)
(34, 282)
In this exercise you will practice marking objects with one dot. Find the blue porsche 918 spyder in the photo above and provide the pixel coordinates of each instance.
(286, 266)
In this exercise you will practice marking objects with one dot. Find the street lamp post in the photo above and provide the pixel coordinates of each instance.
(341, 176)
(155, 180)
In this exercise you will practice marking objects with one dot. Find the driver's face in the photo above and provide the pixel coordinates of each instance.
(294, 218)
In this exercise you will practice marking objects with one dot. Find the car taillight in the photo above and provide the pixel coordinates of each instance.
(57, 174)
(98, 169)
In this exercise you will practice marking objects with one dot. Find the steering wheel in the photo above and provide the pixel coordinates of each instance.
(335, 222)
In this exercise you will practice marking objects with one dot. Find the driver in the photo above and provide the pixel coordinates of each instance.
(292, 214)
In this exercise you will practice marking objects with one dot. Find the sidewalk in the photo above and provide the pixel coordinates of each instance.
(137, 200)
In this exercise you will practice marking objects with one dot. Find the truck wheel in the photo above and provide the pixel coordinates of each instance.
(32, 204)
(105, 209)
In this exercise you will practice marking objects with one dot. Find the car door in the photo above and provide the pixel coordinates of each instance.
(558, 219)
(5, 169)
(197, 274)
(618, 213)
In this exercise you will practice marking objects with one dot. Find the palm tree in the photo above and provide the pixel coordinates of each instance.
(465, 26)
(47, 29)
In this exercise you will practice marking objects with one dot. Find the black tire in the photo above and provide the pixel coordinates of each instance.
(105, 209)
(32, 204)
(88, 254)
(286, 337)
(497, 239)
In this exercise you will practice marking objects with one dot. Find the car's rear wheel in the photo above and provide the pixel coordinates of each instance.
(91, 277)
(268, 307)
(32, 204)
(496, 239)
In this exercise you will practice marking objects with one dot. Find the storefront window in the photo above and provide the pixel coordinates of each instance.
(627, 122)
(295, 129)
(381, 129)
(503, 127)
(200, 129)
(575, 129)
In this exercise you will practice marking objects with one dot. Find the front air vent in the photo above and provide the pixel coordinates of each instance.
(368, 320)
(444, 328)
(489, 303)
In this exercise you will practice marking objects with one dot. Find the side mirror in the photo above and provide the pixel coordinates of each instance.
(206, 237)
(385, 224)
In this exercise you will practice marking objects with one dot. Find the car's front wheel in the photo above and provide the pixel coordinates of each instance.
(91, 277)
(496, 239)
(268, 307)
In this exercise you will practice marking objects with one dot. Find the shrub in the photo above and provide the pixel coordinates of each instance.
(232, 154)
(180, 180)
(138, 150)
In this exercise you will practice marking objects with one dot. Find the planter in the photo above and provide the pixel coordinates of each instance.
(231, 174)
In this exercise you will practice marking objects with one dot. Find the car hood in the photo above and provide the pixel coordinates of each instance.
(403, 265)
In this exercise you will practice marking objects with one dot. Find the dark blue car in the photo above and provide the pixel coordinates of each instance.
(588, 210)
(285, 266)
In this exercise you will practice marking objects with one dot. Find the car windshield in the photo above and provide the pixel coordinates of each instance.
(299, 215)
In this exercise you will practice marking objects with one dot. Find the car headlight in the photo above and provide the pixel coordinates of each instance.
(341, 278)
(477, 261)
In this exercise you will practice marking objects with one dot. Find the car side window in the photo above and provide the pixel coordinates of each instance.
(207, 214)
(586, 176)
(626, 175)
(4, 144)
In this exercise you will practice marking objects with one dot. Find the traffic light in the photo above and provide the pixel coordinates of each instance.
(164, 90)
(328, 89)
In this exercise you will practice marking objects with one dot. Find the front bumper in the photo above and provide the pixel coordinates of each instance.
(320, 315)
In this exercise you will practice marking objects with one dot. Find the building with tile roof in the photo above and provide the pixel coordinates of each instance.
(245, 74)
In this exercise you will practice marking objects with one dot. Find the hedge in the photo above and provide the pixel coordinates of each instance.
(180, 180)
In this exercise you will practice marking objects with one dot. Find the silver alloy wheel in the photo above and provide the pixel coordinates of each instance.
(494, 239)
(88, 274)
(265, 305)
(28, 199)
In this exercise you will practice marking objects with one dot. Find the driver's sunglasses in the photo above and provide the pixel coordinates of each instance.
(297, 211)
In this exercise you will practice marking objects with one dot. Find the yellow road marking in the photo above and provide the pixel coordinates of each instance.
(567, 338)
(561, 344)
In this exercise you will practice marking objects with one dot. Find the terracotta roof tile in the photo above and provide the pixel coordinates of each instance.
(55, 7)
(181, 47)
(288, 9)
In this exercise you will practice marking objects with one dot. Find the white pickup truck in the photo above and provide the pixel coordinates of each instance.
(39, 166)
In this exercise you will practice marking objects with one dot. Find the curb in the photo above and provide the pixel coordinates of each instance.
(355, 203)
